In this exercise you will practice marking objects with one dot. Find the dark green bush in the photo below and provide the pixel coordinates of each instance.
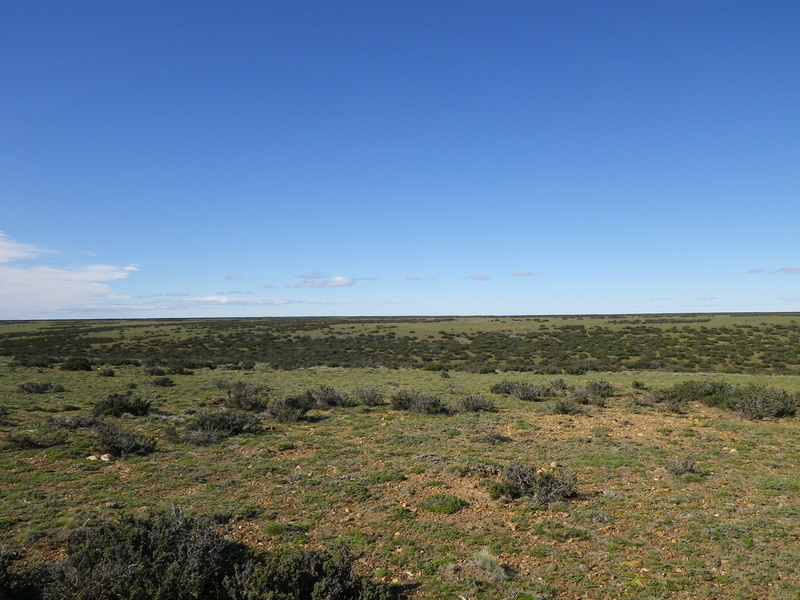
(756, 403)
(289, 409)
(32, 439)
(369, 396)
(70, 421)
(39, 387)
(243, 395)
(213, 427)
(325, 396)
(164, 556)
(299, 574)
(164, 382)
(120, 403)
(76, 363)
(475, 403)
(106, 372)
(601, 388)
(417, 402)
(567, 407)
(118, 442)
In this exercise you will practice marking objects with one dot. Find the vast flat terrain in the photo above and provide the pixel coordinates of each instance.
(676, 496)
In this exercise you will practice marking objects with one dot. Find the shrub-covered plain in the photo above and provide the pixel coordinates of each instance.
(253, 480)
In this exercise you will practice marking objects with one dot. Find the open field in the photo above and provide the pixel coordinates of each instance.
(678, 494)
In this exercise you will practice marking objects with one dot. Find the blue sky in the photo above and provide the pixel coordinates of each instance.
(353, 157)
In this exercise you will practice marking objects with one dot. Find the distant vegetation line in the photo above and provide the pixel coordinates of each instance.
(768, 343)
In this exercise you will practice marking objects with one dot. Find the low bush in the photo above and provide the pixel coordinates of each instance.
(164, 556)
(530, 392)
(70, 421)
(213, 427)
(567, 407)
(118, 442)
(243, 395)
(76, 363)
(325, 396)
(475, 403)
(682, 466)
(170, 556)
(417, 402)
(289, 409)
(32, 439)
(369, 396)
(301, 574)
(544, 486)
(758, 403)
(39, 387)
(163, 382)
(106, 372)
(120, 403)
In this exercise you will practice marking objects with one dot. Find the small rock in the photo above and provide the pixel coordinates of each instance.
(91, 457)
(107, 457)
(113, 505)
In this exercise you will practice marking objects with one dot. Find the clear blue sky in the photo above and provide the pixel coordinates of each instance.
(354, 157)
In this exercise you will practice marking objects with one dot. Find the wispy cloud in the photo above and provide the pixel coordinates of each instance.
(523, 273)
(789, 270)
(233, 277)
(479, 277)
(318, 280)
(754, 271)
(30, 291)
(185, 303)
(417, 278)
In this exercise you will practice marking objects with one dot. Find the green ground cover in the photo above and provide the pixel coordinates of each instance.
(676, 497)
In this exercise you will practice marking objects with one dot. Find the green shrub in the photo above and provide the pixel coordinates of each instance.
(544, 486)
(106, 372)
(300, 574)
(243, 395)
(682, 466)
(327, 397)
(164, 556)
(39, 387)
(567, 407)
(601, 388)
(369, 396)
(76, 363)
(164, 382)
(213, 427)
(70, 421)
(120, 403)
(475, 403)
(289, 409)
(32, 439)
(758, 403)
(118, 442)
(443, 503)
(417, 402)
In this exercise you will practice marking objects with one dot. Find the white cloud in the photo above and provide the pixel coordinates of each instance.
(523, 273)
(12, 251)
(42, 291)
(333, 282)
(233, 277)
(479, 277)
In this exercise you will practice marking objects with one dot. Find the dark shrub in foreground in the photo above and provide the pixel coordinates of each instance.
(757, 403)
(118, 404)
(161, 557)
(169, 556)
(327, 397)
